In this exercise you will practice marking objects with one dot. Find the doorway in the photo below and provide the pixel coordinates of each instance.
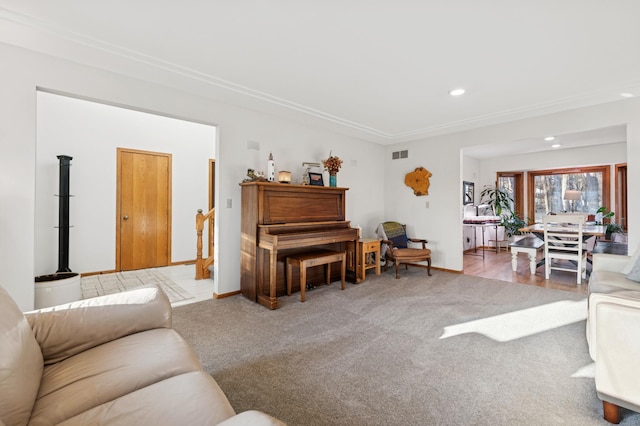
(143, 206)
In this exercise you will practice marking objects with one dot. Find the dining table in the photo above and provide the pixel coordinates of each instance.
(588, 231)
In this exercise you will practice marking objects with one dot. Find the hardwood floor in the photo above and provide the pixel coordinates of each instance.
(498, 266)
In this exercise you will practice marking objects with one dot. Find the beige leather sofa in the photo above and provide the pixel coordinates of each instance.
(112, 360)
(613, 333)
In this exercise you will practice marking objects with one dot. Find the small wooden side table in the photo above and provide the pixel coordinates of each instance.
(357, 259)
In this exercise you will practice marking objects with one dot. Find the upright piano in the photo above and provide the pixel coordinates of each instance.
(283, 219)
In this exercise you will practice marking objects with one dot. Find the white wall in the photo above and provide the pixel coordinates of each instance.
(91, 133)
(441, 155)
(291, 143)
(377, 184)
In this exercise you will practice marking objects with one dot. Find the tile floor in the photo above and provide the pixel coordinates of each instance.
(184, 276)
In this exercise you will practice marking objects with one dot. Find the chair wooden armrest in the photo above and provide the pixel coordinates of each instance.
(419, 240)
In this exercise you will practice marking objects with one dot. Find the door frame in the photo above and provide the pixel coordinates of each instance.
(212, 183)
(621, 194)
(119, 152)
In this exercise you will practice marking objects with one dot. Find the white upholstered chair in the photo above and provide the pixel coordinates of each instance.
(563, 241)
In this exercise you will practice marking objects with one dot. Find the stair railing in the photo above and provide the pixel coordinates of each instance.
(202, 265)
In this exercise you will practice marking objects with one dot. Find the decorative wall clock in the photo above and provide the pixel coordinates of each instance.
(418, 180)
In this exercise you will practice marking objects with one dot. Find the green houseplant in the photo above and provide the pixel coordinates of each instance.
(501, 201)
(512, 224)
(497, 198)
(612, 227)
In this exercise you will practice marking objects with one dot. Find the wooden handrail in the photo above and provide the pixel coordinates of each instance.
(202, 265)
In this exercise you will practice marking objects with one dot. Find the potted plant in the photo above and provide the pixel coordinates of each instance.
(512, 224)
(612, 227)
(500, 201)
(497, 198)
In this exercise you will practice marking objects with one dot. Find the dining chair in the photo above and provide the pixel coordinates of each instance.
(563, 241)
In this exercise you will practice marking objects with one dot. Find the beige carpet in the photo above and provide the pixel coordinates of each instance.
(99, 285)
(444, 350)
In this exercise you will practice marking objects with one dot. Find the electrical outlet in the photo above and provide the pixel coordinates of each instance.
(229, 203)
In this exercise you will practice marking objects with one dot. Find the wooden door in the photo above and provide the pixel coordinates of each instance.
(143, 225)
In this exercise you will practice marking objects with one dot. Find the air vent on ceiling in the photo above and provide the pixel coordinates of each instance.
(399, 154)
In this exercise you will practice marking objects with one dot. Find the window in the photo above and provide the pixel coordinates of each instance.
(512, 183)
(547, 190)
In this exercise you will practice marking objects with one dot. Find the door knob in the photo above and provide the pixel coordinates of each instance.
(125, 217)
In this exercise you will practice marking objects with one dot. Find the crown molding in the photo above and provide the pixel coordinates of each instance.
(53, 40)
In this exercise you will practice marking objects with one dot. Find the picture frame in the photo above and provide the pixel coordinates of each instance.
(316, 179)
(467, 192)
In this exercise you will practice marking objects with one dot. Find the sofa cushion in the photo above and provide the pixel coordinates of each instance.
(109, 371)
(68, 329)
(608, 282)
(188, 399)
(21, 363)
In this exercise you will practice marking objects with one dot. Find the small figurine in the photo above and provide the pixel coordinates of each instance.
(254, 177)
(271, 169)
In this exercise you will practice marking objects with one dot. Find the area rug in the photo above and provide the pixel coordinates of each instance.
(98, 285)
(449, 349)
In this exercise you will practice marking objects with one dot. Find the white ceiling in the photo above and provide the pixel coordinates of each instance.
(379, 70)
(602, 136)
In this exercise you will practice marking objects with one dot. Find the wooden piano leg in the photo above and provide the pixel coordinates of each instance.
(266, 283)
(273, 274)
(343, 271)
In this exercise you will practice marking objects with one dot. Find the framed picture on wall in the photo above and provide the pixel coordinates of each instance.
(316, 179)
(467, 192)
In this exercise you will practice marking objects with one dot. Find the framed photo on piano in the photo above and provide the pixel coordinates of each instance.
(316, 179)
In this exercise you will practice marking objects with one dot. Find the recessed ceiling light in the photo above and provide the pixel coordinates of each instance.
(556, 145)
(627, 95)
(550, 138)
(457, 92)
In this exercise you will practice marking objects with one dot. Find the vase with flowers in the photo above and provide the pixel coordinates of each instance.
(332, 164)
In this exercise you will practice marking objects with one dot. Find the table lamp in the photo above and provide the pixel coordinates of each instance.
(284, 176)
(572, 196)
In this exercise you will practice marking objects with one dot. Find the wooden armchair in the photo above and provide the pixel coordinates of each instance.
(395, 247)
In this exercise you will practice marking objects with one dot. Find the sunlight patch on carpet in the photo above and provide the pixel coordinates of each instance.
(586, 372)
(102, 284)
(522, 323)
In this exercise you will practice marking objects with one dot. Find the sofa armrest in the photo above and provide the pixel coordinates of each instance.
(627, 298)
(609, 262)
(617, 333)
(65, 330)
(251, 418)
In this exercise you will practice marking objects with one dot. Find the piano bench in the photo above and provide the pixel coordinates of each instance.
(309, 259)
